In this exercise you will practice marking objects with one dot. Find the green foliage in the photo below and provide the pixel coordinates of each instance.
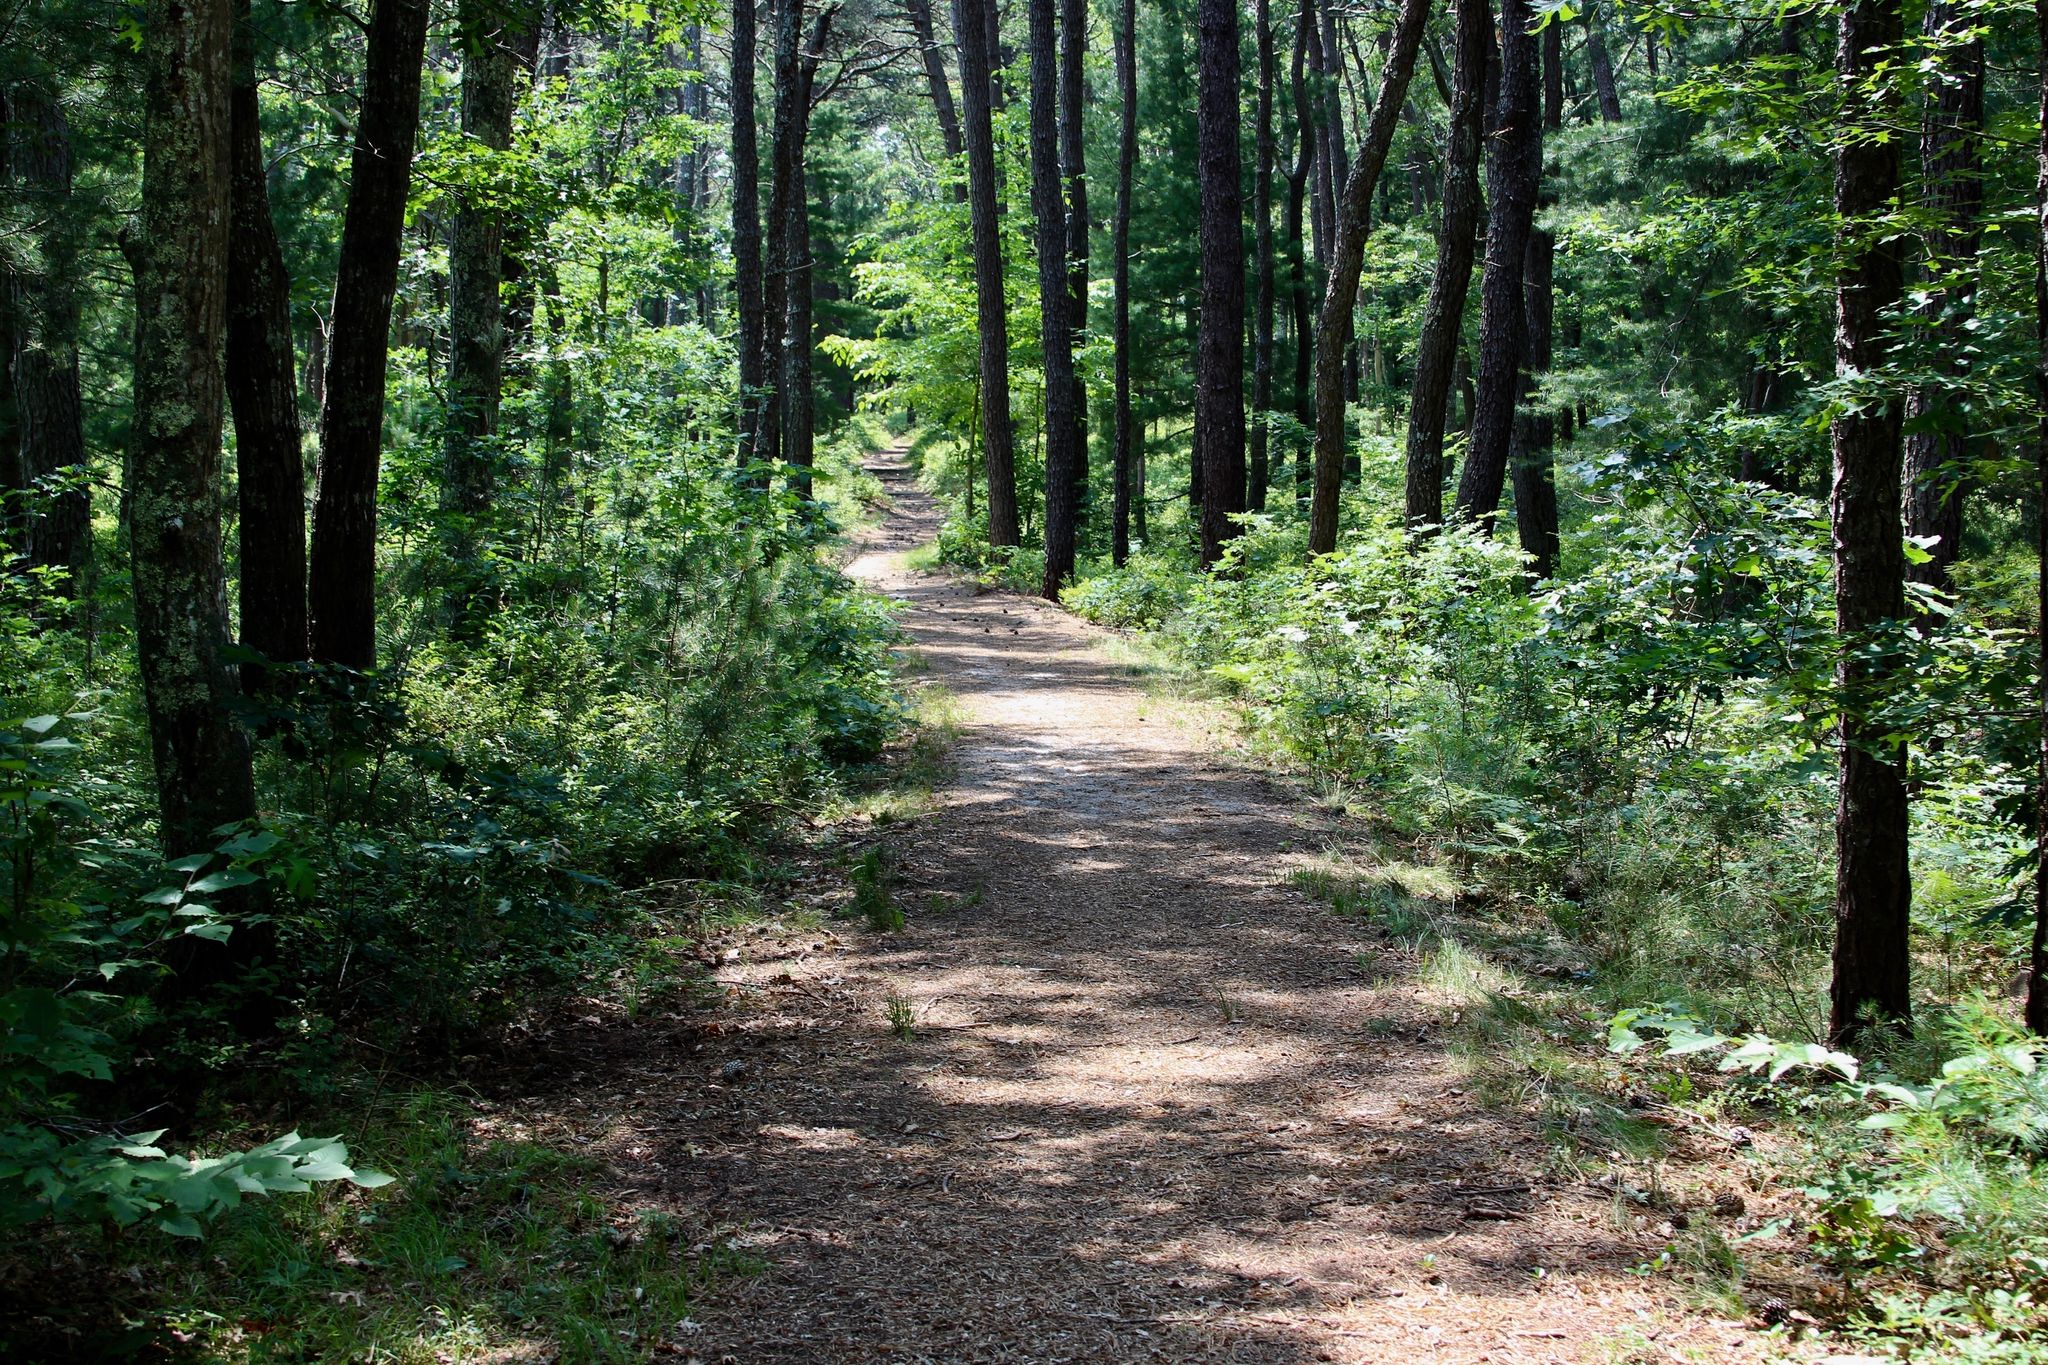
(873, 900)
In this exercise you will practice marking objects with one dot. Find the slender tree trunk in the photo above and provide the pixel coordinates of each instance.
(749, 300)
(971, 31)
(1872, 891)
(1219, 345)
(1340, 298)
(490, 32)
(1298, 281)
(1951, 159)
(13, 478)
(45, 311)
(1604, 90)
(1264, 155)
(1534, 468)
(1074, 170)
(263, 391)
(788, 16)
(1120, 251)
(1514, 165)
(1443, 317)
(2037, 961)
(342, 577)
(1050, 223)
(940, 87)
(181, 263)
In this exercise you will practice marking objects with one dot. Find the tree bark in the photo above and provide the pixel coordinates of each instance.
(1219, 344)
(749, 300)
(1534, 468)
(971, 31)
(342, 579)
(1050, 225)
(490, 33)
(180, 256)
(1264, 154)
(1513, 168)
(1123, 465)
(1951, 159)
(940, 86)
(2037, 959)
(1604, 91)
(1340, 297)
(1074, 171)
(790, 207)
(1872, 892)
(45, 313)
(1297, 194)
(1443, 317)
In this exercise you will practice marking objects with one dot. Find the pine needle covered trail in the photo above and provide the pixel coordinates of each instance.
(1156, 1106)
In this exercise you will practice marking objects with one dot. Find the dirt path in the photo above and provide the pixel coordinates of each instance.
(1157, 1106)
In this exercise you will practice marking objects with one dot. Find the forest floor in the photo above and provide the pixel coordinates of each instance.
(1117, 1092)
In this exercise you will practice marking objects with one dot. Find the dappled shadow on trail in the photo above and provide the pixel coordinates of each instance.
(1153, 1105)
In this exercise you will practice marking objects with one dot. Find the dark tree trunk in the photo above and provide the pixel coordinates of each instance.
(491, 33)
(262, 382)
(1123, 465)
(749, 300)
(1443, 318)
(1297, 193)
(1074, 170)
(1604, 91)
(1951, 159)
(791, 191)
(2037, 961)
(13, 479)
(788, 19)
(1872, 892)
(180, 254)
(1340, 297)
(1050, 227)
(342, 577)
(45, 311)
(971, 31)
(940, 87)
(1219, 345)
(1264, 154)
(1514, 165)
(1535, 470)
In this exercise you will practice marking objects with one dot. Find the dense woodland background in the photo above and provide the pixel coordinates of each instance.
(1600, 445)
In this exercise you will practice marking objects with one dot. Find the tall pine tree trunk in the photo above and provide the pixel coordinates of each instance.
(1340, 297)
(2037, 962)
(48, 411)
(1514, 165)
(940, 87)
(749, 301)
(1872, 892)
(342, 577)
(1443, 317)
(972, 32)
(1219, 345)
(1297, 267)
(1604, 91)
(1050, 231)
(1534, 468)
(490, 33)
(1074, 172)
(1264, 154)
(263, 390)
(1952, 173)
(1123, 465)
